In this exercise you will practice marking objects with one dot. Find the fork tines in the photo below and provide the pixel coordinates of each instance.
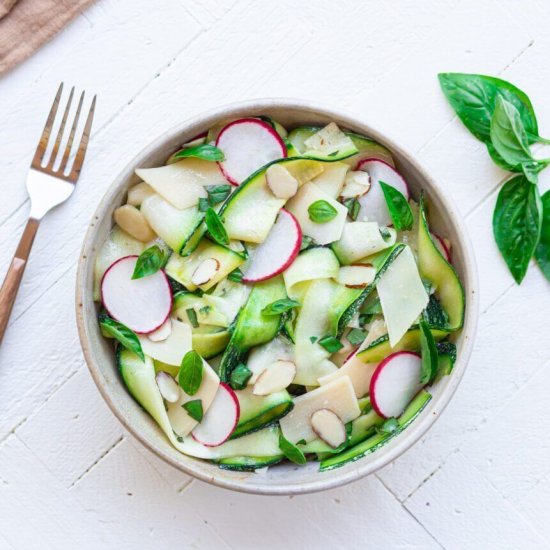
(38, 159)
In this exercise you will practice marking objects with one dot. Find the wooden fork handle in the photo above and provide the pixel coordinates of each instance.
(11, 283)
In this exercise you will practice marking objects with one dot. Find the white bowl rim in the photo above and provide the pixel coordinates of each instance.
(436, 406)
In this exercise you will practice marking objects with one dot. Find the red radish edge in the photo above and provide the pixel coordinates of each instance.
(233, 395)
(370, 159)
(109, 312)
(443, 247)
(269, 128)
(376, 375)
(290, 258)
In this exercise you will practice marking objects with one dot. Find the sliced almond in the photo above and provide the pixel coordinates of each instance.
(356, 184)
(134, 223)
(329, 427)
(281, 182)
(168, 387)
(162, 332)
(138, 193)
(205, 271)
(276, 377)
(356, 276)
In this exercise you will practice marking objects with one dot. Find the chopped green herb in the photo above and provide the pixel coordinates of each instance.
(301, 442)
(215, 227)
(218, 193)
(321, 211)
(204, 204)
(356, 336)
(313, 339)
(194, 409)
(190, 374)
(192, 316)
(353, 207)
(239, 377)
(386, 235)
(122, 334)
(372, 305)
(331, 344)
(365, 318)
(333, 154)
(398, 207)
(236, 276)
(280, 306)
(205, 309)
(204, 152)
(291, 451)
(149, 262)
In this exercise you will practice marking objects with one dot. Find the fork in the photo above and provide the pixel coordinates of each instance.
(48, 187)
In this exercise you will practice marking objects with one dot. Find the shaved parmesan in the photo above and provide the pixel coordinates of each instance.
(331, 181)
(171, 350)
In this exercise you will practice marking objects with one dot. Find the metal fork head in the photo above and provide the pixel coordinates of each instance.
(47, 184)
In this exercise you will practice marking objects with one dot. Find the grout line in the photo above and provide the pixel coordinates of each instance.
(97, 461)
(404, 508)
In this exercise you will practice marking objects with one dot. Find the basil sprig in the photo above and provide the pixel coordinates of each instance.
(502, 116)
(149, 262)
(293, 453)
(517, 223)
(216, 194)
(204, 152)
(429, 354)
(215, 227)
(122, 334)
(398, 207)
(194, 409)
(190, 373)
(280, 306)
(321, 211)
(542, 252)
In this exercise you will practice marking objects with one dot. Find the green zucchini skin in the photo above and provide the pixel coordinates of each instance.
(376, 441)
(440, 273)
(381, 262)
(253, 327)
(247, 463)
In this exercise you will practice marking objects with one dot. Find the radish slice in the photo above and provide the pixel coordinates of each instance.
(278, 251)
(373, 203)
(395, 382)
(443, 246)
(248, 144)
(220, 419)
(141, 304)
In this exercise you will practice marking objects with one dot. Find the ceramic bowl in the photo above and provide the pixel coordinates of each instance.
(283, 479)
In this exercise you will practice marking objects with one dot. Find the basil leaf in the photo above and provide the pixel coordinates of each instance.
(149, 262)
(204, 152)
(236, 276)
(280, 306)
(192, 316)
(122, 334)
(215, 227)
(218, 193)
(331, 344)
(517, 221)
(321, 211)
(356, 336)
(429, 353)
(291, 451)
(194, 409)
(509, 139)
(473, 97)
(190, 374)
(353, 207)
(398, 207)
(542, 252)
(204, 204)
(239, 377)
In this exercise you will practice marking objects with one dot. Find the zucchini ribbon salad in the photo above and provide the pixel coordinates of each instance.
(278, 295)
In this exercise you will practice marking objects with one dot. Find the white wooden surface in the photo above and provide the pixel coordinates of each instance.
(70, 477)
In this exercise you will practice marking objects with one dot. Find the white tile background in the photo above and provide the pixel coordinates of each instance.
(70, 477)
